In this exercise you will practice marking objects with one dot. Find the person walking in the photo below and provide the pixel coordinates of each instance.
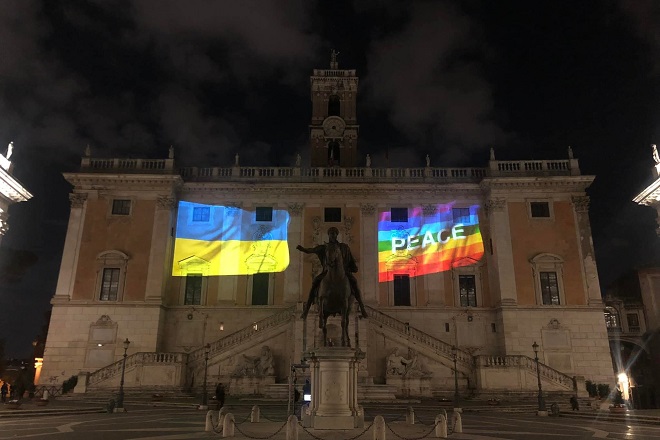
(220, 396)
(3, 391)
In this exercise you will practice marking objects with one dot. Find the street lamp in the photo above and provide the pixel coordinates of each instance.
(454, 352)
(207, 350)
(120, 400)
(535, 346)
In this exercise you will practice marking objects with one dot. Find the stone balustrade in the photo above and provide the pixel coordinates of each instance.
(141, 358)
(531, 168)
(419, 336)
(243, 334)
(526, 363)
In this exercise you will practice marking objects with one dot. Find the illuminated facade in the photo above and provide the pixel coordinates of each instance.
(487, 260)
(11, 190)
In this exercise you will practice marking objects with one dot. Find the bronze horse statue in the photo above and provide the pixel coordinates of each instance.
(334, 296)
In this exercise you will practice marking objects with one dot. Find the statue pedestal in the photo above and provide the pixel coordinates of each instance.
(250, 384)
(334, 389)
(410, 386)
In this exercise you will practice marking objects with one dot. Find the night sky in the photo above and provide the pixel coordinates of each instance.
(448, 79)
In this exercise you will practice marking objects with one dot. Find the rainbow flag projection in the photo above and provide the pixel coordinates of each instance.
(224, 240)
(426, 244)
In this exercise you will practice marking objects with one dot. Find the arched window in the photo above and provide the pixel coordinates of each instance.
(334, 106)
(333, 153)
(612, 320)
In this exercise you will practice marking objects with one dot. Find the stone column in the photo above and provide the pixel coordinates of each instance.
(502, 258)
(586, 248)
(369, 246)
(433, 283)
(293, 275)
(69, 263)
(160, 264)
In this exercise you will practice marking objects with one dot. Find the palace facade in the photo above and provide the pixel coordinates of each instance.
(461, 270)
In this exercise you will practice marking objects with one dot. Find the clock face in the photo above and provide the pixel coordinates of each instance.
(334, 126)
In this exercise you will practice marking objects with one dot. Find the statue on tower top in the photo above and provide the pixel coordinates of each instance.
(333, 59)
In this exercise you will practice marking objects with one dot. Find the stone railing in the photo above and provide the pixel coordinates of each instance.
(346, 174)
(148, 166)
(141, 358)
(243, 334)
(419, 336)
(527, 363)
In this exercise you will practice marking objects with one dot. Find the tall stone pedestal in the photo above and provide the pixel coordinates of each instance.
(334, 389)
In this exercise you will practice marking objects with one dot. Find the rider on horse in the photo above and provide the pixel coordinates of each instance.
(349, 267)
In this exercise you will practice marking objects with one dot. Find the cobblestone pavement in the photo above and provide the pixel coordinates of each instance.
(147, 422)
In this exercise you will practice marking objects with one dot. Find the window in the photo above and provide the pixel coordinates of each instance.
(401, 290)
(111, 274)
(612, 319)
(633, 322)
(493, 327)
(334, 152)
(461, 215)
(447, 327)
(193, 290)
(549, 288)
(467, 290)
(547, 270)
(264, 214)
(332, 215)
(110, 284)
(121, 207)
(539, 209)
(201, 214)
(334, 105)
(260, 291)
(399, 215)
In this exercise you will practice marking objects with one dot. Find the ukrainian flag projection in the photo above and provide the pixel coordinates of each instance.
(223, 240)
(425, 244)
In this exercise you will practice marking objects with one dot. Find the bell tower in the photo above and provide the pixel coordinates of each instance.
(333, 129)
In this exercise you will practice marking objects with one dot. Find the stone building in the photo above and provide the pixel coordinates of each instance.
(464, 267)
(11, 190)
(633, 323)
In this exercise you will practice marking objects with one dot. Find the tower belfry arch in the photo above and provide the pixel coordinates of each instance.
(333, 128)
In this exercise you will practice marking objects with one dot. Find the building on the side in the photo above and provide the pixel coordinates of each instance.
(632, 318)
(635, 338)
(11, 190)
(457, 266)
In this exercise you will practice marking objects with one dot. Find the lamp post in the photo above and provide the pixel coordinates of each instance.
(120, 400)
(207, 350)
(454, 352)
(535, 346)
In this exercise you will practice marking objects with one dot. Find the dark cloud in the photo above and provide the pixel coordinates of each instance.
(425, 75)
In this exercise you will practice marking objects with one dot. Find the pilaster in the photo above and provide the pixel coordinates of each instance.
(586, 250)
(292, 276)
(502, 258)
(369, 258)
(71, 251)
(159, 263)
(434, 282)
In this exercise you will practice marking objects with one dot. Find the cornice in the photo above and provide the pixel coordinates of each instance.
(650, 195)
(138, 182)
(321, 191)
(12, 189)
(558, 183)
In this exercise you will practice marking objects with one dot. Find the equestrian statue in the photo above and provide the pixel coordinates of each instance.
(333, 287)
